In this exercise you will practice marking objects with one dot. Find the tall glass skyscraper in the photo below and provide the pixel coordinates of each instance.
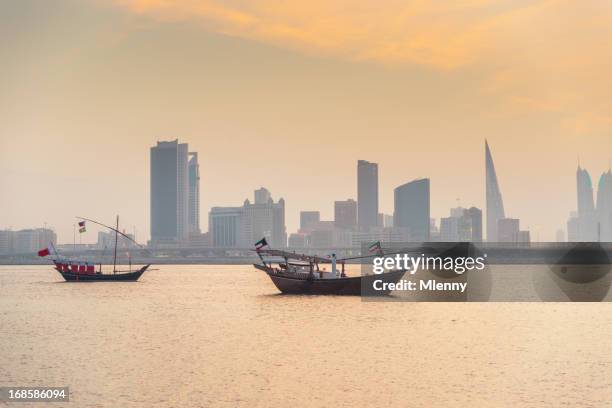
(495, 204)
(585, 192)
(194, 194)
(591, 222)
(604, 207)
(367, 194)
(169, 192)
(412, 209)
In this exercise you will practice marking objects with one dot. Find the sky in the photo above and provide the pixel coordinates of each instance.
(289, 95)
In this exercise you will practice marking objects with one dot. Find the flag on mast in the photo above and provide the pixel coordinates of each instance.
(82, 228)
(261, 244)
(44, 252)
(375, 247)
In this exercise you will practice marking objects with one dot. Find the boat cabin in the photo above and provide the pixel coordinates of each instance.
(81, 268)
(303, 265)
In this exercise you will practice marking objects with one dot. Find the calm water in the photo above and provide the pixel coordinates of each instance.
(221, 336)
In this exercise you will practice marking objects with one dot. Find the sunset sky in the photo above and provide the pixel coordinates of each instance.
(289, 95)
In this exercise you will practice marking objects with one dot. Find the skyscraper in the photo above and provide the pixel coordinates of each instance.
(604, 207)
(367, 194)
(585, 192)
(586, 223)
(169, 192)
(345, 214)
(194, 194)
(412, 209)
(495, 204)
(591, 222)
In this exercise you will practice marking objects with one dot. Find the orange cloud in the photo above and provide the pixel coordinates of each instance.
(443, 35)
(537, 56)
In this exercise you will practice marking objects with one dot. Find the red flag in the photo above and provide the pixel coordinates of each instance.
(43, 252)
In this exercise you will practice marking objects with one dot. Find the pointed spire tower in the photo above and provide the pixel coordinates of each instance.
(495, 204)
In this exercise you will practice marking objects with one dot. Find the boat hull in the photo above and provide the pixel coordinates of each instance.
(103, 277)
(347, 286)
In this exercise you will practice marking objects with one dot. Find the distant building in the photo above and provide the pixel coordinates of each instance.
(509, 230)
(412, 209)
(345, 214)
(384, 235)
(464, 225)
(298, 240)
(262, 196)
(194, 195)
(308, 219)
(449, 229)
(6, 242)
(200, 240)
(106, 240)
(604, 207)
(474, 215)
(560, 235)
(573, 229)
(591, 222)
(169, 192)
(264, 220)
(26, 242)
(322, 235)
(584, 187)
(387, 220)
(367, 194)
(224, 226)
(434, 231)
(523, 237)
(586, 224)
(495, 203)
(241, 227)
(384, 220)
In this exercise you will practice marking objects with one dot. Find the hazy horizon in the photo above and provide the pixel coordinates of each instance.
(290, 96)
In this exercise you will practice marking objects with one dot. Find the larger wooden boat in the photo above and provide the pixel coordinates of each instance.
(294, 273)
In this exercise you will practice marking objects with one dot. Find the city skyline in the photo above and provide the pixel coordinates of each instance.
(192, 210)
(78, 103)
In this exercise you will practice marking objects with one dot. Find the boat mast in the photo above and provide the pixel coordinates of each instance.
(115, 255)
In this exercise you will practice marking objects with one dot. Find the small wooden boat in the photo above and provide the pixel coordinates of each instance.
(77, 276)
(301, 274)
(79, 271)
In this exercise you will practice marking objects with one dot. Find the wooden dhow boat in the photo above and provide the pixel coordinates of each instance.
(84, 271)
(294, 273)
